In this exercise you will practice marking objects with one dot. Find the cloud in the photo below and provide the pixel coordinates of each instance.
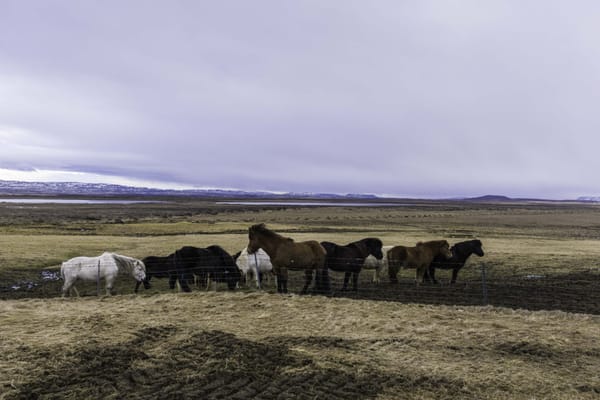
(424, 98)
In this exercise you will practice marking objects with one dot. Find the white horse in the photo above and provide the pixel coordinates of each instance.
(107, 266)
(380, 266)
(257, 264)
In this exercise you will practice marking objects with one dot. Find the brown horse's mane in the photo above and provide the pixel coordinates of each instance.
(432, 243)
(263, 230)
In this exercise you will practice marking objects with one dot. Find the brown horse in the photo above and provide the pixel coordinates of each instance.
(286, 254)
(419, 257)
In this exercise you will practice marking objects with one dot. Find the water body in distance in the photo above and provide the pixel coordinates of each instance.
(308, 203)
(75, 201)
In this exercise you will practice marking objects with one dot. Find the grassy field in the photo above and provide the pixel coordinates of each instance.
(536, 338)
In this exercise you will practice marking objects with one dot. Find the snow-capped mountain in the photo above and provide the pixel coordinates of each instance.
(18, 188)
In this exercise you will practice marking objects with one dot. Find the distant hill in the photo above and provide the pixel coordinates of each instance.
(18, 188)
(490, 198)
(592, 199)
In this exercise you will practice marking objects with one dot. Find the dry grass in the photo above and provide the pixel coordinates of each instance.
(404, 351)
(261, 345)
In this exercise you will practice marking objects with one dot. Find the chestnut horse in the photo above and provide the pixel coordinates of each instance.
(419, 257)
(286, 254)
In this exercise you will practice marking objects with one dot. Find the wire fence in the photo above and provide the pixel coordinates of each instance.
(478, 283)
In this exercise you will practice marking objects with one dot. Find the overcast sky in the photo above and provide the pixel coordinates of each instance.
(411, 98)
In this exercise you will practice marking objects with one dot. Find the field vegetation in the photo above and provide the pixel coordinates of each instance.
(535, 336)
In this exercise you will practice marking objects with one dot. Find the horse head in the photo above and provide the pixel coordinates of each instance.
(445, 249)
(477, 249)
(254, 237)
(375, 246)
(139, 272)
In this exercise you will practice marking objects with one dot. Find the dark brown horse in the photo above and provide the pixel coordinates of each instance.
(286, 254)
(351, 257)
(460, 253)
(419, 257)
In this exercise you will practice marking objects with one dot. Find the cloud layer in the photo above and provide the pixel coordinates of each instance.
(422, 98)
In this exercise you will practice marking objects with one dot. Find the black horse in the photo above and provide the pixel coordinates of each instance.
(351, 257)
(159, 267)
(460, 253)
(212, 263)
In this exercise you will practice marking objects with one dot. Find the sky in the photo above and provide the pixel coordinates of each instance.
(418, 98)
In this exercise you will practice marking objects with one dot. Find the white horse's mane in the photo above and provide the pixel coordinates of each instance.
(123, 262)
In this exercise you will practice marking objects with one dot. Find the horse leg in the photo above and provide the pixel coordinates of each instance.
(420, 273)
(172, 281)
(431, 274)
(355, 281)
(284, 280)
(376, 274)
(278, 279)
(392, 273)
(256, 277)
(308, 276)
(110, 280)
(183, 283)
(454, 275)
(323, 283)
(67, 287)
(146, 283)
(259, 278)
(346, 279)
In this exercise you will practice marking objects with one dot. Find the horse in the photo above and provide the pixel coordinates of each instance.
(379, 266)
(209, 264)
(158, 267)
(419, 257)
(460, 253)
(286, 254)
(351, 258)
(107, 266)
(257, 264)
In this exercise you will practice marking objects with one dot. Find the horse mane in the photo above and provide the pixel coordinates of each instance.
(223, 255)
(434, 243)
(263, 230)
(123, 262)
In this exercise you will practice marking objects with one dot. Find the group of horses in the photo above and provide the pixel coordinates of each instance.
(268, 251)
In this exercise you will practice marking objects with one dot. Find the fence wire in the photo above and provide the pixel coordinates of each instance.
(479, 283)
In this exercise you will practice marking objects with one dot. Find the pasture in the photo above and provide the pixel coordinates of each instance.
(537, 337)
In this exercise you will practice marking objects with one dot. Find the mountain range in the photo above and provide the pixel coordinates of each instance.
(20, 188)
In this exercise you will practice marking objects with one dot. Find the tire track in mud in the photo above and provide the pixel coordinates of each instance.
(216, 365)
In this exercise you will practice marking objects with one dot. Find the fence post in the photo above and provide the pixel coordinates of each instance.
(98, 280)
(484, 285)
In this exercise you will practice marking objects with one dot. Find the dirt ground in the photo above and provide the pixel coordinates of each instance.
(224, 345)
